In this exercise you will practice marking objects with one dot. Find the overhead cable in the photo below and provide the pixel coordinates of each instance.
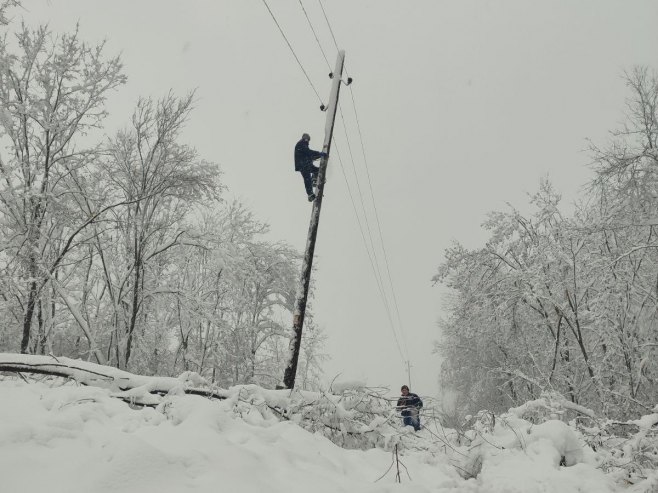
(292, 51)
(372, 263)
(315, 34)
(374, 205)
(328, 23)
(381, 239)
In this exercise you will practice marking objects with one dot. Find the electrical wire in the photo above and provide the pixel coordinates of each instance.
(328, 24)
(315, 34)
(376, 269)
(292, 51)
(372, 264)
(381, 239)
(374, 205)
(360, 194)
(370, 249)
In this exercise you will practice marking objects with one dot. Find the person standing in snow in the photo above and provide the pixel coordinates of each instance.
(304, 158)
(410, 405)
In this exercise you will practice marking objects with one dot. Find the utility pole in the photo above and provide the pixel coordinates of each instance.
(409, 373)
(305, 277)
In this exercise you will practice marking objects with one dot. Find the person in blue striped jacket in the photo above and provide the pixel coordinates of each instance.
(410, 405)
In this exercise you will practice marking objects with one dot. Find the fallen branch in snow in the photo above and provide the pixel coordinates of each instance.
(53, 369)
(383, 475)
(396, 460)
(398, 479)
(135, 389)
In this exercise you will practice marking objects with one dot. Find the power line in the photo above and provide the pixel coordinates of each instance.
(377, 271)
(379, 227)
(381, 239)
(315, 34)
(372, 264)
(374, 261)
(328, 23)
(292, 51)
(360, 193)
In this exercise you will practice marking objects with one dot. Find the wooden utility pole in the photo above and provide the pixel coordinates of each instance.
(305, 277)
(409, 373)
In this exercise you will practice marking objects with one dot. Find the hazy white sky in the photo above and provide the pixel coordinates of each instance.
(463, 106)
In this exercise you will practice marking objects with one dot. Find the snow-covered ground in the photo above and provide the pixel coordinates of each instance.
(72, 438)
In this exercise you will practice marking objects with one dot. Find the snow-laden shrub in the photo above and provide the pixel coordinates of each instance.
(357, 417)
(533, 428)
(628, 450)
(554, 430)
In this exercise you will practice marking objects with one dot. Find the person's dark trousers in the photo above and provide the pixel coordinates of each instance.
(412, 421)
(308, 175)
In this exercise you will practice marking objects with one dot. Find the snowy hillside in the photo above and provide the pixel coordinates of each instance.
(63, 437)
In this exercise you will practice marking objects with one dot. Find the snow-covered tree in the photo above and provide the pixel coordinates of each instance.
(52, 94)
(565, 304)
(624, 217)
(235, 327)
(120, 249)
(161, 181)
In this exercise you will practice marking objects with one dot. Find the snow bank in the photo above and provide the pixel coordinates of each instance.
(83, 439)
(529, 446)
(75, 439)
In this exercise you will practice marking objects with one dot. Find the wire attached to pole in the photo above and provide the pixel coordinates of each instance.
(293, 51)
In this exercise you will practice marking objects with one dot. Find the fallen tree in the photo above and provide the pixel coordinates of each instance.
(135, 389)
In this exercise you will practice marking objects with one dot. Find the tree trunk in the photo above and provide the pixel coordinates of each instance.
(133, 315)
(27, 319)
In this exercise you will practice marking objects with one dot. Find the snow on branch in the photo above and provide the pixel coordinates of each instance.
(136, 389)
(551, 403)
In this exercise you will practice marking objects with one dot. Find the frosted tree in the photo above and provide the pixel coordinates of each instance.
(234, 301)
(624, 217)
(161, 182)
(565, 304)
(52, 93)
(258, 292)
(515, 327)
(5, 6)
(119, 249)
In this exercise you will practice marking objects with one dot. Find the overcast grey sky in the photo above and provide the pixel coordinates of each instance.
(463, 106)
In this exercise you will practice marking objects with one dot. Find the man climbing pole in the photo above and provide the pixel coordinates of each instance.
(410, 405)
(304, 158)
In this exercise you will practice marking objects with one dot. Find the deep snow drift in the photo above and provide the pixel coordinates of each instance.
(67, 438)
